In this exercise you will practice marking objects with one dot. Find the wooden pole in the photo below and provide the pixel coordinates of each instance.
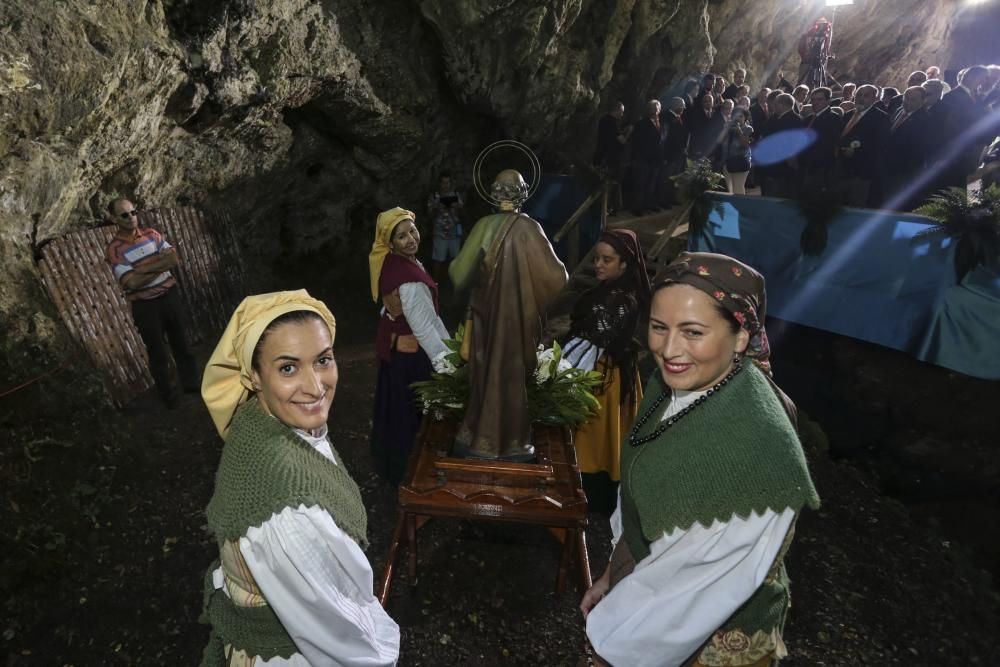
(577, 214)
(667, 234)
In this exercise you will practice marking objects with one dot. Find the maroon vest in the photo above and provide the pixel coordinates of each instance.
(396, 271)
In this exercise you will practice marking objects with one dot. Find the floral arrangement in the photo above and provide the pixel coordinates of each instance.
(692, 184)
(974, 225)
(558, 393)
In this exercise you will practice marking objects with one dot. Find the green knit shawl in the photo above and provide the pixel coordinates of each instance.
(735, 454)
(265, 468)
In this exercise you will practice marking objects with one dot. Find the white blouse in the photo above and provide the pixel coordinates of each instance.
(319, 583)
(418, 309)
(689, 584)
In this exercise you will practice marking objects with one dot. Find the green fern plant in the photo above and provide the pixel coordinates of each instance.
(974, 225)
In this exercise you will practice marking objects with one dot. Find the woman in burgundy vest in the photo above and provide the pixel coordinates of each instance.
(410, 338)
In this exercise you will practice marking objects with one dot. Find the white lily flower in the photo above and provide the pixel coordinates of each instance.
(545, 357)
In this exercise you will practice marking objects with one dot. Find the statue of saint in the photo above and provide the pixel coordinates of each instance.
(514, 275)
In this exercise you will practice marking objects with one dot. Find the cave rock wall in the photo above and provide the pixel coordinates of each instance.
(300, 119)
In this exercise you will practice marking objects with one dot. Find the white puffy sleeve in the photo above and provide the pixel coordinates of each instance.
(616, 522)
(319, 583)
(691, 582)
(418, 308)
(581, 353)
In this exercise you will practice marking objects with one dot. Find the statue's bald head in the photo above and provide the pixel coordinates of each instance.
(509, 177)
(509, 189)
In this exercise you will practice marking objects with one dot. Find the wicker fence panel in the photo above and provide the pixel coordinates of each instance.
(81, 285)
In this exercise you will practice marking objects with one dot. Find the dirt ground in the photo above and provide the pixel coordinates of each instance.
(105, 547)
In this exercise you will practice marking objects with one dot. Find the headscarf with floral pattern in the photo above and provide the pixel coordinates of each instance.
(737, 287)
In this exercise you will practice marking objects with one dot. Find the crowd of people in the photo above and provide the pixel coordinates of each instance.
(713, 476)
(867, 145)
(700, 468)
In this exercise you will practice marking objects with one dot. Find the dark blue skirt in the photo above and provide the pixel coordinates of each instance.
(397, 412)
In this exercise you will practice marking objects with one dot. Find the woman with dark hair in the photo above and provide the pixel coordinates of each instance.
(409, 341)
(713, 478)
(292, 586)
(602, 327)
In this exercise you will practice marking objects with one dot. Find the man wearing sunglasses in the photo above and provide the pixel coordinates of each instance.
(141, 260)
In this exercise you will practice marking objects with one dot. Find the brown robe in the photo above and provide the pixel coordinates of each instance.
(518, 279)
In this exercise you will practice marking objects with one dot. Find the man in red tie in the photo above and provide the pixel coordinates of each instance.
(816, 162)
(860, 147)
(907, 152)
(675, 148)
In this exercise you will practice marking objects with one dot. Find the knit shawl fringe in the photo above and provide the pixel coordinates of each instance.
(735, 454)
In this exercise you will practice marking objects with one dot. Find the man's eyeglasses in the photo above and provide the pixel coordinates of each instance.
(128, 214)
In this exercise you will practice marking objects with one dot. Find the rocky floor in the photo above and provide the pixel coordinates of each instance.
(104, 550)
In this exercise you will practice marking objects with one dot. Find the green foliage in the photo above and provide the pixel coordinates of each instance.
(446, 392)
(975, 225)
(564, 396)
(696, 179)
(692, 184)
(561, 397)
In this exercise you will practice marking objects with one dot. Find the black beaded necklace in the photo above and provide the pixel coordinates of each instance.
(636, 441)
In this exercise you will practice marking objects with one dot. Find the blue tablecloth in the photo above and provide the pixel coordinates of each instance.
(875, 281)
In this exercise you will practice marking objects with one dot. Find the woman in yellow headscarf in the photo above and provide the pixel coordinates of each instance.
(292, 586)
(409, 342)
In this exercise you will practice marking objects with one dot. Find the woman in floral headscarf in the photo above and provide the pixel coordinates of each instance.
(409, 342)
(601, 337)
(713, 478)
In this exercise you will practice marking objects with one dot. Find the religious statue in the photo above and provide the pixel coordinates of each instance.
(515, 276)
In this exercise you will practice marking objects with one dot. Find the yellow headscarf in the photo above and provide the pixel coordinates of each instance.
(228, 381)
(387, 221)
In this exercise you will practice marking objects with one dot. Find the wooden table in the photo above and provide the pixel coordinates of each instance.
(545, 493)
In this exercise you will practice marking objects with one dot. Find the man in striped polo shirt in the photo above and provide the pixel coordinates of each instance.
(141, 260)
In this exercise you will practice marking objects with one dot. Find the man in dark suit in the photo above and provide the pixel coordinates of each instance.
(675, 148)
(731, 91)
(691, 89)
(860, 146)
(706, 125)
(758, 119)
(758, 111)
(781, 179)
(906, 153)
(816, 161)
(963, 139)
(707, 84)
(647, 158)
(933, 91)
(611, 138)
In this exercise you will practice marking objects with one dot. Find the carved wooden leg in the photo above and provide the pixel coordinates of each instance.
(569, 542)
(390, 560)
(411, 542)
(583, 559)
